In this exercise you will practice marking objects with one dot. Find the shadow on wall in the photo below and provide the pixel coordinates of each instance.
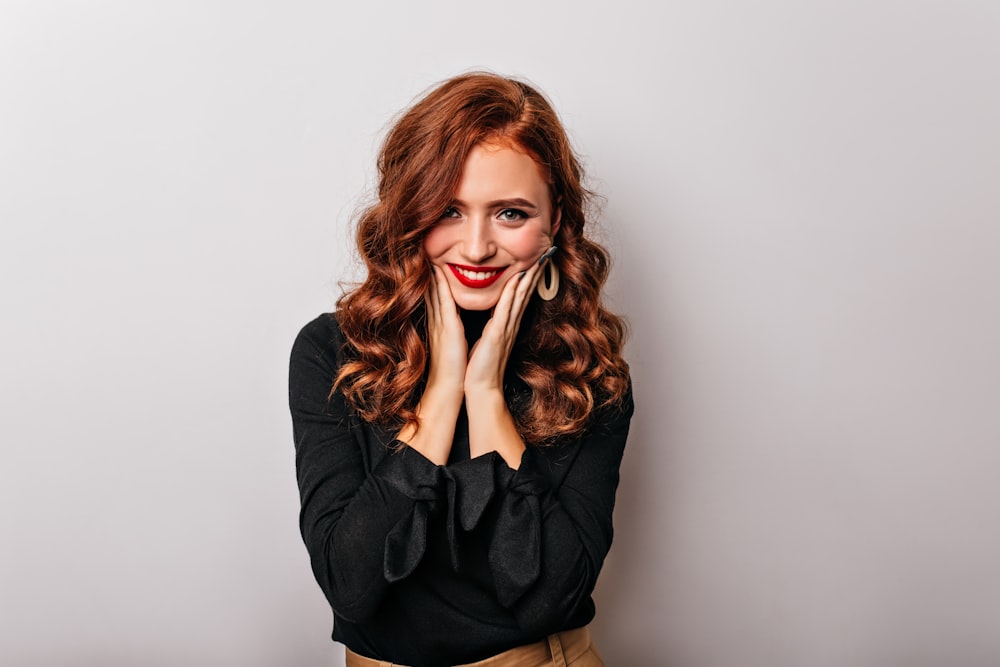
(632, 590)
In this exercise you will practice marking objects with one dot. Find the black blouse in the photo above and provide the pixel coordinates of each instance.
(437, 565)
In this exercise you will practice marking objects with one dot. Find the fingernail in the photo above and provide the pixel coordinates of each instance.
(548, 253)
(521, 275)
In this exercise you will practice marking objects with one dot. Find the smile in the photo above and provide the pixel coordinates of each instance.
(476, 276)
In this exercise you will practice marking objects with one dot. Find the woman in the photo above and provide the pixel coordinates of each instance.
(459, 421)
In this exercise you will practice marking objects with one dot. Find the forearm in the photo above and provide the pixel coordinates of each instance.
(555, 522)
(437, 413)
(491, 426)
(347, 547)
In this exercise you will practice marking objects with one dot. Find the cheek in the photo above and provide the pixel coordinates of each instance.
(436, 243)
(528, 246)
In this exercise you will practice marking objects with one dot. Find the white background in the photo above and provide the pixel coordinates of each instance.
(803, 200)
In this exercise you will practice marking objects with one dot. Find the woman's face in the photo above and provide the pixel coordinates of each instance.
(499, 224)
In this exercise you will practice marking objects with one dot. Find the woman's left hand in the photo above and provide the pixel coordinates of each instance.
(491, 426)
(488, 358)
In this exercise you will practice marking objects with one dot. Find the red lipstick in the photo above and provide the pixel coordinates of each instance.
(469, 279)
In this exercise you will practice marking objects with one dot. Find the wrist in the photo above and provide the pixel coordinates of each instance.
(441, 398)
(475, 383)
(484, 396)
(443, 390)
(492, 427)
(437, 413)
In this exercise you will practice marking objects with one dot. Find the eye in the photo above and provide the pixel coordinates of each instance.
(451, 212)
(512, 215)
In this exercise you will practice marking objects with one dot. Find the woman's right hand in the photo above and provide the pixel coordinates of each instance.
(441, 401)
(449, 350)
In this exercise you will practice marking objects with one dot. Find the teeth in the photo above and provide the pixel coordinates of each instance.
(477, 275)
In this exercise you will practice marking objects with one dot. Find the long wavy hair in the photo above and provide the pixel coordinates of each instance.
(568, 350)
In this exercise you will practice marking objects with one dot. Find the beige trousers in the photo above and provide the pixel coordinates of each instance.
(563, 649)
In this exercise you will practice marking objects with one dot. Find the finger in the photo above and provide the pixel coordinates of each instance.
(503, 311)
(432, 297)
(448, 312)
(521, 298)
(447, 299)
(429, 306)
(534, 273)
(514, 305)
(531, 278)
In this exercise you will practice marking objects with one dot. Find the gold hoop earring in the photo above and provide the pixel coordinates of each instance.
(548, 284)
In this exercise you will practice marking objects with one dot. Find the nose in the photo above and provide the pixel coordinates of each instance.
(478, 244)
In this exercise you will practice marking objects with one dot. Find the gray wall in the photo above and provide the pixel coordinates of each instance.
(803, 201)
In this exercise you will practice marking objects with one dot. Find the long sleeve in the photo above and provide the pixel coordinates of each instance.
(553, 521)
(365, 505)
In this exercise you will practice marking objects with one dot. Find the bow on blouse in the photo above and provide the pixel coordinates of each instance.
(467, 488)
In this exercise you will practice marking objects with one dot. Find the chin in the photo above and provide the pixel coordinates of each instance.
(476, 302)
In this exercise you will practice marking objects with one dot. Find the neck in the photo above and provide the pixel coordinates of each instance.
(474, 321)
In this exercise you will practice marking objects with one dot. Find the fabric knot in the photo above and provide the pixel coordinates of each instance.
(422, 481)
(470, 485)
(405, 544)
(515, 550)
(419, 482)
(516, 547)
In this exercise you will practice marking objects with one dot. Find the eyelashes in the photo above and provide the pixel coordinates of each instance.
(512, 215)
(506, 215)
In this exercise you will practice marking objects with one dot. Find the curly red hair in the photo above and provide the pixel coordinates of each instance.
(568, 350)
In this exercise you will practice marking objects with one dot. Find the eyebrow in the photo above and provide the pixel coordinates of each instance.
(502, 203)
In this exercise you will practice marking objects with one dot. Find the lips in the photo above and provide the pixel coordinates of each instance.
(476, 276)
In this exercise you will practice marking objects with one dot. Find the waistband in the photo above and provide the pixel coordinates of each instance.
(557, 649)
